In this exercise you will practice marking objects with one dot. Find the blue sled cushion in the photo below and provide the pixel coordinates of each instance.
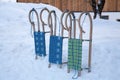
(39, 40)
(55, 49)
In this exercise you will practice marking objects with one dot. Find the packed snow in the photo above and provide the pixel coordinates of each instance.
(8, 0)
(17, 53)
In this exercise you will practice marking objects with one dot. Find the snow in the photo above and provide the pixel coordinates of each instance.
(17, 57)
(8, 0)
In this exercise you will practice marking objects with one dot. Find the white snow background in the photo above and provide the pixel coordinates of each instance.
(17, 54)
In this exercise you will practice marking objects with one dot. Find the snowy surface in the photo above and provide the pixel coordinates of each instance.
(8, 0)
(17, 57)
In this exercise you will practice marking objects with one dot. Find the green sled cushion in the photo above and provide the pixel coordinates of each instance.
(74, 54)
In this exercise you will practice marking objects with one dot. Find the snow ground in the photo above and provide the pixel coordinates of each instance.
(8, 0)
(17, 57)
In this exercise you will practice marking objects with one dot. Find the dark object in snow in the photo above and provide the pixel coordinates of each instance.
(97, 7)
(104, 17)
(118, 20)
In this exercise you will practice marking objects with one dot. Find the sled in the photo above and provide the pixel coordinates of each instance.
(39, 36)
(56, 42)
(75, 44)
(89, 38)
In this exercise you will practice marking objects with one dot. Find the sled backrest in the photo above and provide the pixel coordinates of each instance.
(50, 22)
(41, 18)
(32, 22)
(63, 25)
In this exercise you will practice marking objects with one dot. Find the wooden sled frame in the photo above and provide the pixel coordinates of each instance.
(81, 35)
(72, 21)
(53, 36)
(90, 37)
(40, 33)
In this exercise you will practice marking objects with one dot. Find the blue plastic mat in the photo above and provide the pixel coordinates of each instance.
(55, 49)
(39, 39)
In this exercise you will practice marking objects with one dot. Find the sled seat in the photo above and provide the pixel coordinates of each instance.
(39, 40)
(74, 54)
(55, 50)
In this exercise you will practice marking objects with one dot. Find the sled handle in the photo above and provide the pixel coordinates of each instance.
(90, 37)
(50, 23)
(63, 26)
(66, 11)
(70, 15)
(32, 22)
(43, 23)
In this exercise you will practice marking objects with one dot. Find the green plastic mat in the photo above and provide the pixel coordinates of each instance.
(74, 54)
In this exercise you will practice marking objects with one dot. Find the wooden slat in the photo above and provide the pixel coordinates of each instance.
(70, 5)
(36, 1)
(109, 7)
(21, 0)
(75, 5)
(58, 4)
(89, 7)
(106, 5)
(64, 4)
(52, 2)
(78, 5)
(28, 1)
(118, 5)
(83, 5)
(48, 1)
(44, 1)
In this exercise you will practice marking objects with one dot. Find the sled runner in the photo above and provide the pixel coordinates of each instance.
(39, 36)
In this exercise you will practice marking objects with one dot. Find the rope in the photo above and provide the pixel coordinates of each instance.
(84, 19)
